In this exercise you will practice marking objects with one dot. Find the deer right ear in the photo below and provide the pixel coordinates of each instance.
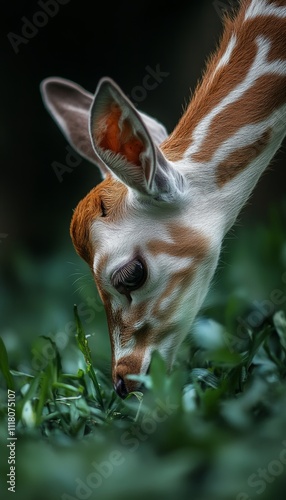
(128, 144)
(69, 105)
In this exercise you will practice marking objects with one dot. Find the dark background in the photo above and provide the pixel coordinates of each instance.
(83, 43)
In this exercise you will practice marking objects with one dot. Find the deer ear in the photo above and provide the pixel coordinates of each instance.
(69, 105)
(123, 142)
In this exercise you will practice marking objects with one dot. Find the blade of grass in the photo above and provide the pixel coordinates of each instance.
(44, 390)
(258, 340)
(67, 387)
(4, 366)
(16, 373)
(84, 347)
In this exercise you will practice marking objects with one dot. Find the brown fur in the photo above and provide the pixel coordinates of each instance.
(278, 3)
(112, 194)
(237, 161)
(261, 92)
(127, 366)
(186, 242)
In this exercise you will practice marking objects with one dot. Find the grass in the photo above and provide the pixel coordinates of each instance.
(212, 429)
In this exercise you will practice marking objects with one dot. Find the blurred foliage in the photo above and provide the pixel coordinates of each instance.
(212, 429)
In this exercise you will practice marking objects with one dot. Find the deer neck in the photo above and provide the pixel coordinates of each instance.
(236, 120)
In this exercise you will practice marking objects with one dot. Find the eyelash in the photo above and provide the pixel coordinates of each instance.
(120, 277)
(122, 273)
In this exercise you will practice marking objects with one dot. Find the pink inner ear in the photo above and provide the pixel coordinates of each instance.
(120, 140)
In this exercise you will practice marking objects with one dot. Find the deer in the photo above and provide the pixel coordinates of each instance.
(152, 230)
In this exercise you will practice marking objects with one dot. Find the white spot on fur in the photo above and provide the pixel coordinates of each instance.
(146, 360)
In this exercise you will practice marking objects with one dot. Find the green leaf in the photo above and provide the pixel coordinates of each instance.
(158, 372)
(81, 339)
(258, 339)
(67, 387)
(84, 347)
(56, 359)
(44, 390)
(137, 394)
(279, 320)
(16, 373)
(224, 357)
(4, 366)
(144, 379)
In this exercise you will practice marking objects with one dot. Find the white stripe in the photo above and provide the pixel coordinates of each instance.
(248, 135)
(119, 351)
(146, 360)
(168, 301)
(227, 55)
(262, 8)
(259, 68)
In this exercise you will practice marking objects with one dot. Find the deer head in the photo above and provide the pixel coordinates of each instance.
(143, 230)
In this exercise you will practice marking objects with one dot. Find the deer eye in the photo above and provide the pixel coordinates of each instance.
(129, 277)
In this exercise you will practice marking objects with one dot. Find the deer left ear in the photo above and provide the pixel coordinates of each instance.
(122, 141)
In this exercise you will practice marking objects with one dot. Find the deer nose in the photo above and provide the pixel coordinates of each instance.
(121, 388)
